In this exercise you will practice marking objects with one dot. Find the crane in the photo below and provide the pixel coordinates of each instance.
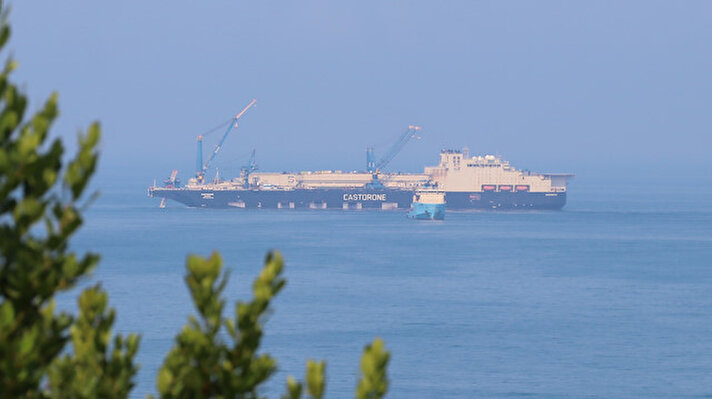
(201, 167)
(374, 167)
(247, 170)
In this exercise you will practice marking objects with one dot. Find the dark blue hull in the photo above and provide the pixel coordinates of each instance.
(504, 200)
(290, 199)
(354, 199)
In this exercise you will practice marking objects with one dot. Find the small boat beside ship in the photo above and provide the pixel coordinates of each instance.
(428, 205)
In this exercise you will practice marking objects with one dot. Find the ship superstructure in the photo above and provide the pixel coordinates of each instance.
(488, 181)
(459, 172)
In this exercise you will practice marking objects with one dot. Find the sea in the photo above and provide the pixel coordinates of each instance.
(609, 298)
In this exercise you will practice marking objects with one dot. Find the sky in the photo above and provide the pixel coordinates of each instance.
(553, 86)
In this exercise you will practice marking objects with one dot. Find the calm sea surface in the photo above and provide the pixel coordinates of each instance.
(610, 298)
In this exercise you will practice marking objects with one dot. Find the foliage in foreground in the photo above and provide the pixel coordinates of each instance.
(41, 202)
(40, 210)
(217, 357)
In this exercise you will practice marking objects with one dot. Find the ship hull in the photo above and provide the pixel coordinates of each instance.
(505, 200)
(353, 199)
(424, 211)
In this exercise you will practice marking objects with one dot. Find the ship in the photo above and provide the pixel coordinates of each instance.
(428, 205)
(477, 182)
(468, 182)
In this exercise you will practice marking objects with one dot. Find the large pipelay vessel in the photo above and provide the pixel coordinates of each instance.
(469, 182)
(479, 182)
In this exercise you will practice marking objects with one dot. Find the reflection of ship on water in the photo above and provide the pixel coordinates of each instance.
(484, 182)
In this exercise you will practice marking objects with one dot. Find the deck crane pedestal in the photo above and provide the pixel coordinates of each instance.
(201, 167)
(374, 167)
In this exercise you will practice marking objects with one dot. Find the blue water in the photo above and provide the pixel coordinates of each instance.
(610, 298)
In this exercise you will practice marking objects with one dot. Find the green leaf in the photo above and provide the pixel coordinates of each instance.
(294, 389)
(316, 378)
(165, 380)
(374, 382)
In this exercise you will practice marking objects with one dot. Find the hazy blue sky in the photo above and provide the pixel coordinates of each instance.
(552, 86)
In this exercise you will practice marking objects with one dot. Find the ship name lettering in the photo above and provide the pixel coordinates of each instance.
(364, 197)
